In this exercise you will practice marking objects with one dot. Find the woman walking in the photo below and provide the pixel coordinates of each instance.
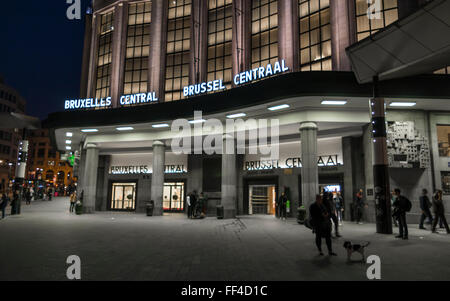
(321, 224)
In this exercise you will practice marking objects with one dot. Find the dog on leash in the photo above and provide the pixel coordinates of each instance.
(351, 248)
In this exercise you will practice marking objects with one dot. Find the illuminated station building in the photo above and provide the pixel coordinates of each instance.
(148, 63)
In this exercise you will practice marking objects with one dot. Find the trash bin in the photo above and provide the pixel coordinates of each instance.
(301, 215)
(150, 206)
(78, 208)
(219, 212)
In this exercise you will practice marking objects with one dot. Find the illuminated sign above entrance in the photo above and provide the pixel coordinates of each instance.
(289, 163)
(260, 73)
(88, 103)
(138, 98)
(144, 169)
(211, 86)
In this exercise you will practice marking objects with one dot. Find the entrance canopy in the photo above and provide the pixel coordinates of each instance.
(417, 44)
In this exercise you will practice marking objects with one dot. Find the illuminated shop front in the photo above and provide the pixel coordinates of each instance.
(150, 63)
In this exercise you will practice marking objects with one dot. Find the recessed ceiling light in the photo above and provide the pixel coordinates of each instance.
(162, 125)
(68, 141)
(90, 131)
(197, 121)
(334, 102)
(68, 148)
(125, 128)
(69, 134)
(402, 104)
(236, 115)
(280, 107)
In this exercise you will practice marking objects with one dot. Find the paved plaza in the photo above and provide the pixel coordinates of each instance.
(126, 246)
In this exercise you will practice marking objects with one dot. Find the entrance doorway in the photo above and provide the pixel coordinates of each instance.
(123, 197)
(174, 196)
(262, 199)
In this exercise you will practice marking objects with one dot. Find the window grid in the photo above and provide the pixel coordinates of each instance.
(366, 27)
(315, 35)
(264, 32)
(103, 81)
(137, 49)
(220, 24)
(178, 49)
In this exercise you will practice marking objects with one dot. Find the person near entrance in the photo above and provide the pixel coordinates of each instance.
(193, 201)
(439, 211)
(425, 206)
(189, 205)
(321, 223)
(328, 202)
(4, 204)
(73, 200)
(339, 204)
(282, 205)
(359, 206)
(401, 206)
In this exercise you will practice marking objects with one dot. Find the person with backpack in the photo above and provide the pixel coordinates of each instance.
(321, 224)
(439, 211)
(401, 206)
(425, 206)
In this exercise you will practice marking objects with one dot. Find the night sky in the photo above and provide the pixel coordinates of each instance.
(41, 52)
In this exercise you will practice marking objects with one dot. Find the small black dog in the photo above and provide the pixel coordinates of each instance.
(355, 248)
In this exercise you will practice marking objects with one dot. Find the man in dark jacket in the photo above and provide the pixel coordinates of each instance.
(400, 208)
(282, 205)
(3, 205)
(359, 206)
(439, 212)
(322, 224)
(425, 206)
(328, 202)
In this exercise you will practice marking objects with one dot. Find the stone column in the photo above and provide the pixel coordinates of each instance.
(309, 171)
(380, 163)
(118, 52)
(229, 177)
(241, 52)
(157, 53)
(90, 178)
(343, 32)
(159, 159)
(288, 33)
(199, 42)
(348, 176)
(86, 55)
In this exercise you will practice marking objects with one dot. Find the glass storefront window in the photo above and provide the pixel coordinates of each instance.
(315, 35)
(445, 177)
(365, 27)
(443, 137)
(137, 48)
(264, 32)
(178, 49)
(220, 25)
(123, 196)
(104, 56)
(173, 198)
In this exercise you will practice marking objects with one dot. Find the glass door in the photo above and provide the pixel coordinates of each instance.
(173, 199)
(123, 196)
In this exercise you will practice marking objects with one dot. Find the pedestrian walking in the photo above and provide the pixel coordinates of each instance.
(439, 211)
(425, 206)
(339, 204)
(73, 201)
(359, 206)
(329, 204)
(4, 204)
(50, 194)
(321, 223)
(282, 205)
(194, 204)
(401, 206)
(189, 205)
(28, 197)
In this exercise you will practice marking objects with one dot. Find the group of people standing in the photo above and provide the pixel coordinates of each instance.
(196, 205)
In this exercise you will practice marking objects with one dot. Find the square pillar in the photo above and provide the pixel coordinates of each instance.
(229, 177)
(288, 33)
(90, 179)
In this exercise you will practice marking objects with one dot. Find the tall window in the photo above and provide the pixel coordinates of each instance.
(365, 26)
(264, 32)
(138, 41)
(443, 137)
(178, 46)
(315, 35)
(103, 84)
(219, 40)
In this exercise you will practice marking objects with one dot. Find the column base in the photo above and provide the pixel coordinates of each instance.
(229, 213)
(88, 210)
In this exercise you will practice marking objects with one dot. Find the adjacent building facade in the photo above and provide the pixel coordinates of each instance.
(148, 63)
(10, 101)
